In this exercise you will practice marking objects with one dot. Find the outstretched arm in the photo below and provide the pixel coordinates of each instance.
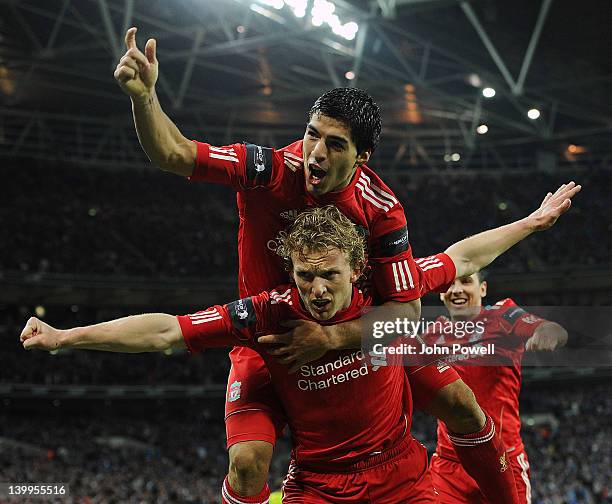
(136, 74)
(152, 332)
(476, 252)
(547, 337)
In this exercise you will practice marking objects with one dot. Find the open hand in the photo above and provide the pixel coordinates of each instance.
(553, 206)
(306, 342)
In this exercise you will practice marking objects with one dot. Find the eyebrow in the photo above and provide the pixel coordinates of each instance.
(319, 272)
(331, 137)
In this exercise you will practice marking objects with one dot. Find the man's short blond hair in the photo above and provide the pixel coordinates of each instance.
(319, 229)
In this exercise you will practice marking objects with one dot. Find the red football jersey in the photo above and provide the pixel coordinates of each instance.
(340, 408)
(272, 192)
(496, 387)
(436, 273)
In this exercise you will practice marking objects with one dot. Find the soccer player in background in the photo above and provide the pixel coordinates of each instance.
(494, 379)
(273, 186)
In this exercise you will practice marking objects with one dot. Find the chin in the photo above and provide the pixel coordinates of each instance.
(321, 316)
(464, 312)
(318, 189)
(314, 190)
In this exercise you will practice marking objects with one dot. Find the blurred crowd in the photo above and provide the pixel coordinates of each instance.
(175, 453)
(99, 368)
(141, 222)
(111, 457)
(443, 209)
(571, 462)
(69, 219)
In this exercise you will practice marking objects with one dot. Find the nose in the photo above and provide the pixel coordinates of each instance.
(320, 151)
(456, 288)
(318, 288)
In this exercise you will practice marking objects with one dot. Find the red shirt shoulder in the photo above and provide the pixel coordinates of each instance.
(513, 319)
(293, 156)
(384, 211)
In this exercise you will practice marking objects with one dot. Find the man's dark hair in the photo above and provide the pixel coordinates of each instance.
(357, 110)
(482, 275)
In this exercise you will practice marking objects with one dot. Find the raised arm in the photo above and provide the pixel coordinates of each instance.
(476, 252)
(161, 140)
(547, 337)
(152, 332)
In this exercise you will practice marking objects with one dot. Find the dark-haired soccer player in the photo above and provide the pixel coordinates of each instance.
(327, 166)
(273, 186)
(495, 380)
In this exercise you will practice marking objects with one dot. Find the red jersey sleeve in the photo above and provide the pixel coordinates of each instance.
(234, 324)
(241, 166)
(518, 322)
(436, 273)
(394, 272)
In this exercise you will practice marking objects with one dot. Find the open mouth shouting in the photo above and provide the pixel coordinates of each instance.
(316, 174)
(320, 305)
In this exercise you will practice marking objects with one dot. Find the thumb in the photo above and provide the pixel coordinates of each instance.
(130, 38)
(151, 51)
(31, 342)
(30, 328)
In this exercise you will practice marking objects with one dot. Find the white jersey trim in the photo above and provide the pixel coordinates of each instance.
(232, 500)
(224, 153)
(525, 475)
(371, 199)
(205, 316)
(459, 441)
(381, 192)
(401, 270)
(375, 195)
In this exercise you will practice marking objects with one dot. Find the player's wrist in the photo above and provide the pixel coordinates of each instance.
(530, 224)
(67, 338)
(334, 340)
(144, 99)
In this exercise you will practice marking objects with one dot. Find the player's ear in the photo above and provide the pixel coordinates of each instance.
(363, 157)
(357, 272)
(483, 289)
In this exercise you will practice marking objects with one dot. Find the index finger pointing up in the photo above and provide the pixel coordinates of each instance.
(130, 38)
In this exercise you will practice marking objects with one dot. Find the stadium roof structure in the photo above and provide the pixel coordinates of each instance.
(250, 69)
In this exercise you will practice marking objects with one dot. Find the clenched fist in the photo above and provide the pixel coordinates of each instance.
(136, 72)
(38, 334)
